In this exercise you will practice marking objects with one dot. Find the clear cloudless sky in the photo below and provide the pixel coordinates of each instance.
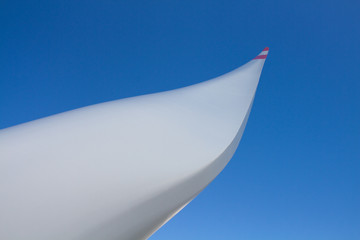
(296, 174)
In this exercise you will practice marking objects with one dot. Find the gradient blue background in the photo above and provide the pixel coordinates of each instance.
(296, 172)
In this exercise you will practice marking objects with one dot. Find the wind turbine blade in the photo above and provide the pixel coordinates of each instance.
(121, 169)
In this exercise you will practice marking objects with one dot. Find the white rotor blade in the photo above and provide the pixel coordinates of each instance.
(121, 169)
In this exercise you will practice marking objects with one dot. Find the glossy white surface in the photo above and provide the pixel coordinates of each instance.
(121, 169)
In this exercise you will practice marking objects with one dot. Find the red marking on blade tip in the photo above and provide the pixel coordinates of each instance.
(260, 57)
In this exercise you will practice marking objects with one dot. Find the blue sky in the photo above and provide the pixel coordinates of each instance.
(296, 172)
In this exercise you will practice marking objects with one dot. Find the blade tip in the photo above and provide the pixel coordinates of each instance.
(263, 54)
